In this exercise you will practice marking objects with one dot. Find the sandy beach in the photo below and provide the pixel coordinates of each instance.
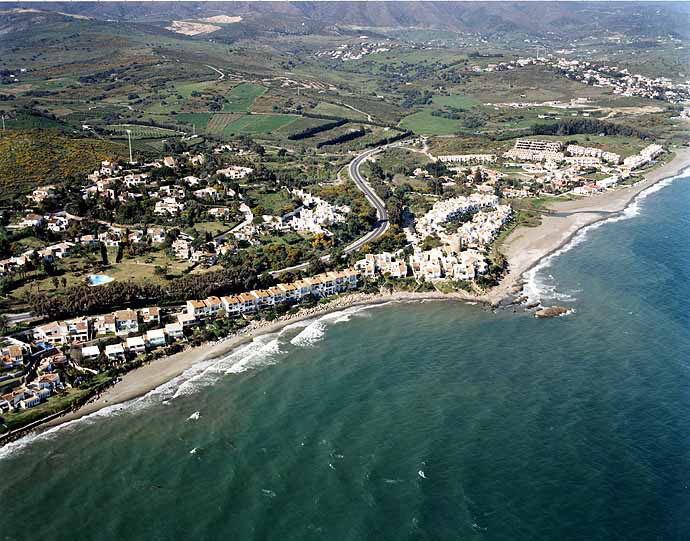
(140, 381)
(524, 248)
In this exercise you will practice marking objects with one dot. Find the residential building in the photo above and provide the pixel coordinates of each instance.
(126, 321)
(150, 314)
(231, 305)
(186, 319)
(198, 309)
(136, 345)
(248, 302)
(31, 220)
(114, 351)
(105, 324)
(468, 158)
(155, 338)
(174, 331)
(213, 305)
(90, 352)
(235, 172)
(42, 193)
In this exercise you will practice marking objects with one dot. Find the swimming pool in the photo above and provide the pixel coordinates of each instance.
(99, 279)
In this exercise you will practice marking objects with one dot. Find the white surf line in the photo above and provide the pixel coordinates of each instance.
(222, 75)
(534, 290)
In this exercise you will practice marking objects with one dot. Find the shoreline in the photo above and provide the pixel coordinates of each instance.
(524, 248)
(142, 380)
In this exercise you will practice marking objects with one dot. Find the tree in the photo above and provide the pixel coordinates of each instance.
(316, 266)
(104, 254)
(395, 208)
(4, 323)
(120, 251)
(48, 267)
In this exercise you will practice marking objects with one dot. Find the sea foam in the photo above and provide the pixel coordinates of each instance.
(261, 351)
(539, 286)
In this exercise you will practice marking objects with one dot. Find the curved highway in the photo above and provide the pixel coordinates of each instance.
(373, 199)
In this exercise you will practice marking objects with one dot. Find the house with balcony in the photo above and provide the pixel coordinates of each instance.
(174, 331)
(155, 338)
(135, 345)
(197, 309)
(150, 314)
(248, 302)
(231, 305)
(186, 319)
(115, 352)
(126, 321)
(213, 305)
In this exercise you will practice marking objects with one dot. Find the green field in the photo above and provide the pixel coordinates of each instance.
(259, 123)
(199, 120)
(218, 123)
(275, 203)
(141, 132)
(458, 101)
(425, 123)
(241, 98)
(302, 124)
(331, 109)
(186, 89)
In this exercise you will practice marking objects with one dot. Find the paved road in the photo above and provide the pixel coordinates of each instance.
(353, 170)
(222, 75)
(374, 200)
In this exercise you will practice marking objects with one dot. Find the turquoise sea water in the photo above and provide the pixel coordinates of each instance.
(417, 421)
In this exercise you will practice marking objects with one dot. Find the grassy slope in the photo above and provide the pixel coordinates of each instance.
(424, 122)
(259, 123)
(241, 98)
(31, 158)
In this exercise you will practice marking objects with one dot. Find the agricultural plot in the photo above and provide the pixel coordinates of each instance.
(459, 101)
(141, 132)
(241, 98)
(259, 123)
(331, 109)
(302, 124)
(219, 122)
(194, 121)
(186, 89)
(425, 123)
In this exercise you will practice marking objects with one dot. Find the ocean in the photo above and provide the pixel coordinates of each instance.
(427, 421)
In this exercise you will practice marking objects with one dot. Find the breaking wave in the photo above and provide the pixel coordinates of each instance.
(262, 351)
(539, 285)
(311, 334)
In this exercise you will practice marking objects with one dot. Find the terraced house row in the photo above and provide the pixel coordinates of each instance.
(321, 285)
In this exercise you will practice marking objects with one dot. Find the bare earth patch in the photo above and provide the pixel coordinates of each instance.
(191, 29)
(223, 19)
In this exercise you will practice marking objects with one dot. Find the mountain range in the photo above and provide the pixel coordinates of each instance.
(645, 19)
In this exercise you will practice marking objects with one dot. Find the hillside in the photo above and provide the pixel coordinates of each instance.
(35, 157)
(559, 18)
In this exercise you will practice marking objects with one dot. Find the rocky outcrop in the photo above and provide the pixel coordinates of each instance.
(551, 311)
